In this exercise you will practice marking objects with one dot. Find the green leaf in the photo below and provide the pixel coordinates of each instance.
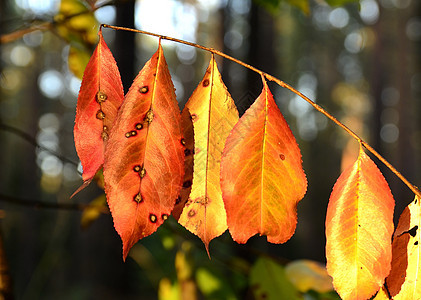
(269, 281)
(213, 286)
(340, 2)
(273, 6)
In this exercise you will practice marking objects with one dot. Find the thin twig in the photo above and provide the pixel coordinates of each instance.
(47, 25)
(34, 142)
(269, 77)
(51, 205)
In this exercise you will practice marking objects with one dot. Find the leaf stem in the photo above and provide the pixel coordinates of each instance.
(281, 83)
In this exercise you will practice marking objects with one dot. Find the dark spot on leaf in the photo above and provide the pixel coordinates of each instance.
(178, 200)
(263, 296)
(136, 168)
(187, 152)
(138, 126)
(128, 134)
(101, 97)
(359, 225)
(105, 128)
(183, 141)
(149, 116)
(416, 243)
(413, 231)
(206, 82)
(104, 136)
(282, 156)
(100, 115)
(142, 172)
(153, 218)
(193, 117)
(138, 198)
(164, 217)
(144, 89)
(191, 213)
(187, 184)
(133, 132)
(361, 268)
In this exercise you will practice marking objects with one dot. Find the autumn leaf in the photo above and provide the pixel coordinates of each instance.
(76, 22)
(101, 94)
(213, 114)
(359, 226)
(188, 134)
(143, 168)
(78, 60)
(403, 280)
(262, 178)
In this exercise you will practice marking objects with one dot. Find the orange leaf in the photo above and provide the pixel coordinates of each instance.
(359, 226)
(143, 168)
(213, 114)
(262, 178)
(402, 281)
(101, 94)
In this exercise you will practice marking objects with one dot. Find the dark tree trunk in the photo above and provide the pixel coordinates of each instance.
(125, 43)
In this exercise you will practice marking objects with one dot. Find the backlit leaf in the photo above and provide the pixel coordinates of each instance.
(403, 281)
(213, 114)
(143, 168)
(262, 178)
(269, 281)
(359, 226)
(188, 134)
(101, 94)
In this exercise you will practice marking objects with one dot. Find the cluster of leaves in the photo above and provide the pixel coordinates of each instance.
(213, 171)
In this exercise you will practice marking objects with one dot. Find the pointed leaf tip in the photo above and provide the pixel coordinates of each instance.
(262, 178)
(143, 166)
(359, 226)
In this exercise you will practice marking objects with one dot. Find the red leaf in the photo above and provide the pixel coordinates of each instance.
(359, 227)
(404, 279)
(101, 94)
(262, 178)
(143, 169)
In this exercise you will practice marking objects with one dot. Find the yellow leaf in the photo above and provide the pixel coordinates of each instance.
(214, 114)
(77, 60)
(309, 275)
(403, 281)
(91, 213)
(359, 227)
(76, 22)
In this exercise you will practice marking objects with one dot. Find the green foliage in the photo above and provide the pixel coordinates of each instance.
(269, 281)
(340, 2)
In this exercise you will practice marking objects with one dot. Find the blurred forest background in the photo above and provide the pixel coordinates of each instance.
(361, 61)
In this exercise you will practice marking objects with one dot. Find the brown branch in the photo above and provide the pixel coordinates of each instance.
(49, 205)
(34, 142)
(269, 77)
(46, 25)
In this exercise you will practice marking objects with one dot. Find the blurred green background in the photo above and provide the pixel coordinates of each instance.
(361, 60)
